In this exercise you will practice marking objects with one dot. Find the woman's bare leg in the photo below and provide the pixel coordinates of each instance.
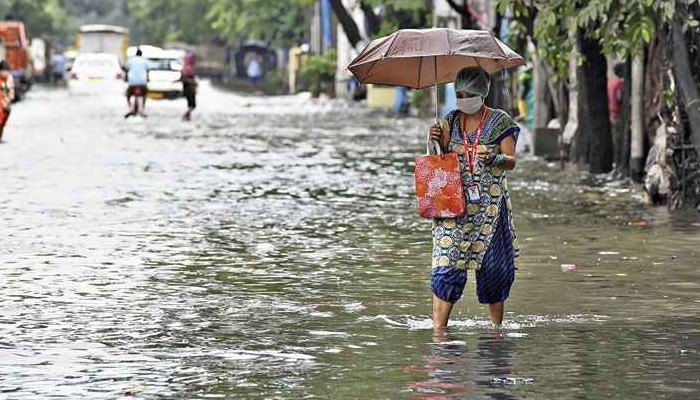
(496, 311)
(441, 313)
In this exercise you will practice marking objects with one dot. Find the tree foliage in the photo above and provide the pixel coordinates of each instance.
(41, 17)
(384, 19)
(623, 27)
(402, 14)
(162, 21)
(278, 22)
(319, 71)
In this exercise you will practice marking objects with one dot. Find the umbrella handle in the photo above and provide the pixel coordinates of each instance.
(435, 94)
(436, 88)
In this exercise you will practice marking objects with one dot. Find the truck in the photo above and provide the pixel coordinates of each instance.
(14, 36)
(99, 38)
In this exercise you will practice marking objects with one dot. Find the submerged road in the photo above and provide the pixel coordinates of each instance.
(270, 248)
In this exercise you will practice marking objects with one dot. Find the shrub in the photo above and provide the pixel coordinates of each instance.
(275, 82)
(318, 72)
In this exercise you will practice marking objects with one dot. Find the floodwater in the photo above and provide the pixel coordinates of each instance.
(270, 249)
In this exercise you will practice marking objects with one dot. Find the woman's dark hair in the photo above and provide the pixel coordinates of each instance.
(619, 69)
(4, 65)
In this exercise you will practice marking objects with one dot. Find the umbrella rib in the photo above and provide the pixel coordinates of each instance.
(371, 67)
(364, 77)
(391, 44)
(420, 70)
(477, 62)
(449, 42)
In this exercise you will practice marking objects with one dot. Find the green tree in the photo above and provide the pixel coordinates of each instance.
(319, 72)
(279, 22)
(619, 28)
(392, 16)
(41, 17)
(162, 21)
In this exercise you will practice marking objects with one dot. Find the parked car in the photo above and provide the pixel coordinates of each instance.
(96, 72)
(164, 75)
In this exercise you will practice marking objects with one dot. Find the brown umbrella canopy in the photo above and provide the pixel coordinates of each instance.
(419, 58)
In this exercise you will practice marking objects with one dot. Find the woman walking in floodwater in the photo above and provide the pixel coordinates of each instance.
(7, 93)
(483, 239)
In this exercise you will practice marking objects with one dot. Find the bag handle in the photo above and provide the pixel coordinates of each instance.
(433, 146)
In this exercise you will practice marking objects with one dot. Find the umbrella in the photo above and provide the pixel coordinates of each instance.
(419, 58)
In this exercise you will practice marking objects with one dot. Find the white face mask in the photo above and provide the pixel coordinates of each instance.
(470, 105)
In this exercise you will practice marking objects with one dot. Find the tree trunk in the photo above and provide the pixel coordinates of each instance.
(654, 72)
(373, 21)
(686, 84)
(543, 99)
(498, 25)
(347, 22)
(468, 21)
(557, 96)
(594, 142)
(637, 122)
(621, 129)
(570, 130)
(497, 96)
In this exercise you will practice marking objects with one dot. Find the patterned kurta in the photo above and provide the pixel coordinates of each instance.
(483, 239)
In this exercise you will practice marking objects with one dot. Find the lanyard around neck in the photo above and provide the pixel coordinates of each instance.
(472, 153)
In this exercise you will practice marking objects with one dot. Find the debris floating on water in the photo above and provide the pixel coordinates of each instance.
(569, 268)
(639, 223)
(511, 381)
(131, 392)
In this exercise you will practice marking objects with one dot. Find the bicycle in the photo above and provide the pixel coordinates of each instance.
(139, 99)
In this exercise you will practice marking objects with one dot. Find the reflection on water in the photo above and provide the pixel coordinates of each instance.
(480, 366)
(271, 249)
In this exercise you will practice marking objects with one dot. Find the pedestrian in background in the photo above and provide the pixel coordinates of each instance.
(615, 88)
(189, 84)
(58, 67)
(254, 71)
(7, 94)
(483, 239)
(400, 101)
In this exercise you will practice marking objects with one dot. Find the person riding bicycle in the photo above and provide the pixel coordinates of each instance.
(137, 77)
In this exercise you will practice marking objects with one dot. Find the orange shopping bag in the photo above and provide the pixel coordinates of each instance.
(439, 185)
